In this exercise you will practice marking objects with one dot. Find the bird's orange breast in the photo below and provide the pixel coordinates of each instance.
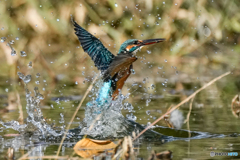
(122, 75)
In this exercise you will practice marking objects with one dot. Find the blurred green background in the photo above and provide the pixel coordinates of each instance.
(206, 29)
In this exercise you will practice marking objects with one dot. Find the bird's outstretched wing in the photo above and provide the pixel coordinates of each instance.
(101, 56)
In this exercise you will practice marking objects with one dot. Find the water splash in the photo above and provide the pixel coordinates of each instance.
(23, 53)
(35, 123)
(103, 117)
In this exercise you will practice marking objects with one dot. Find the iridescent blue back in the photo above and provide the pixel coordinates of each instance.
(103, 100)
(101, 56)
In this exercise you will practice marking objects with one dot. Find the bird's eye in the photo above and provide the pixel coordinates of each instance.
(136, 42)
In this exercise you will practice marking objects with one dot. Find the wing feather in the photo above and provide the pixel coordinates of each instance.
(100, 55)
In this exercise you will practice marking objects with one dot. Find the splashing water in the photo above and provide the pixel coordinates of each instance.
(103, 117)
(35, 123)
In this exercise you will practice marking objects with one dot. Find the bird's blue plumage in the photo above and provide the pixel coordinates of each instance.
(103, 100)
(101, 56)
(105, 91)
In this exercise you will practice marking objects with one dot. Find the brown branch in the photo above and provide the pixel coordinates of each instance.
(75, 113)
(181, 103)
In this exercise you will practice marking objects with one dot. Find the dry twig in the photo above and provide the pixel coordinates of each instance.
(184, 101)
(75, 113)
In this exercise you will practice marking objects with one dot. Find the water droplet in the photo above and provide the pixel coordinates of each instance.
(149, 52)
(23, 54)
(116, 5)
(131, 19)
(157, 23)
(17, 38)
(6, 90)
(131, 117)
(142, 35)
(165, 60)
(128, 106)
(206, 32)
(27, 79)
(163, 2)
(40, 96)
(13, 53)
(3, 39)
(37, 82)
(20, 75)
(11, 42)
(58, 20)
(148, 112)
(144, 80)
(30, 64)
(175, 4)
(152, 86)
(37, 75)
(76, 83)
(133, 71)
(148, 101)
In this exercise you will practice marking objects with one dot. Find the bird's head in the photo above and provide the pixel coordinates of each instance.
(133, 45)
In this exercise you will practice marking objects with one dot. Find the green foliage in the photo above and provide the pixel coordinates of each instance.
(44, 27)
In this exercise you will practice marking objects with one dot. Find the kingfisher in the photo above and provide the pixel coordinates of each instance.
(114, 69)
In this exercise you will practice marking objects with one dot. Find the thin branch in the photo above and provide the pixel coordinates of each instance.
(26, 154)
(20, 119)
(184, 101)
(188, 116)
(75, 113)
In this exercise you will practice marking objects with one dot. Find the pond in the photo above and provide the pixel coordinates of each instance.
(211, 115)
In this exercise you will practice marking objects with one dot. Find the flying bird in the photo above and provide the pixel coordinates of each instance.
(115, 69)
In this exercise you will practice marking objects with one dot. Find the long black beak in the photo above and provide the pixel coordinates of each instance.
(151, 41)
